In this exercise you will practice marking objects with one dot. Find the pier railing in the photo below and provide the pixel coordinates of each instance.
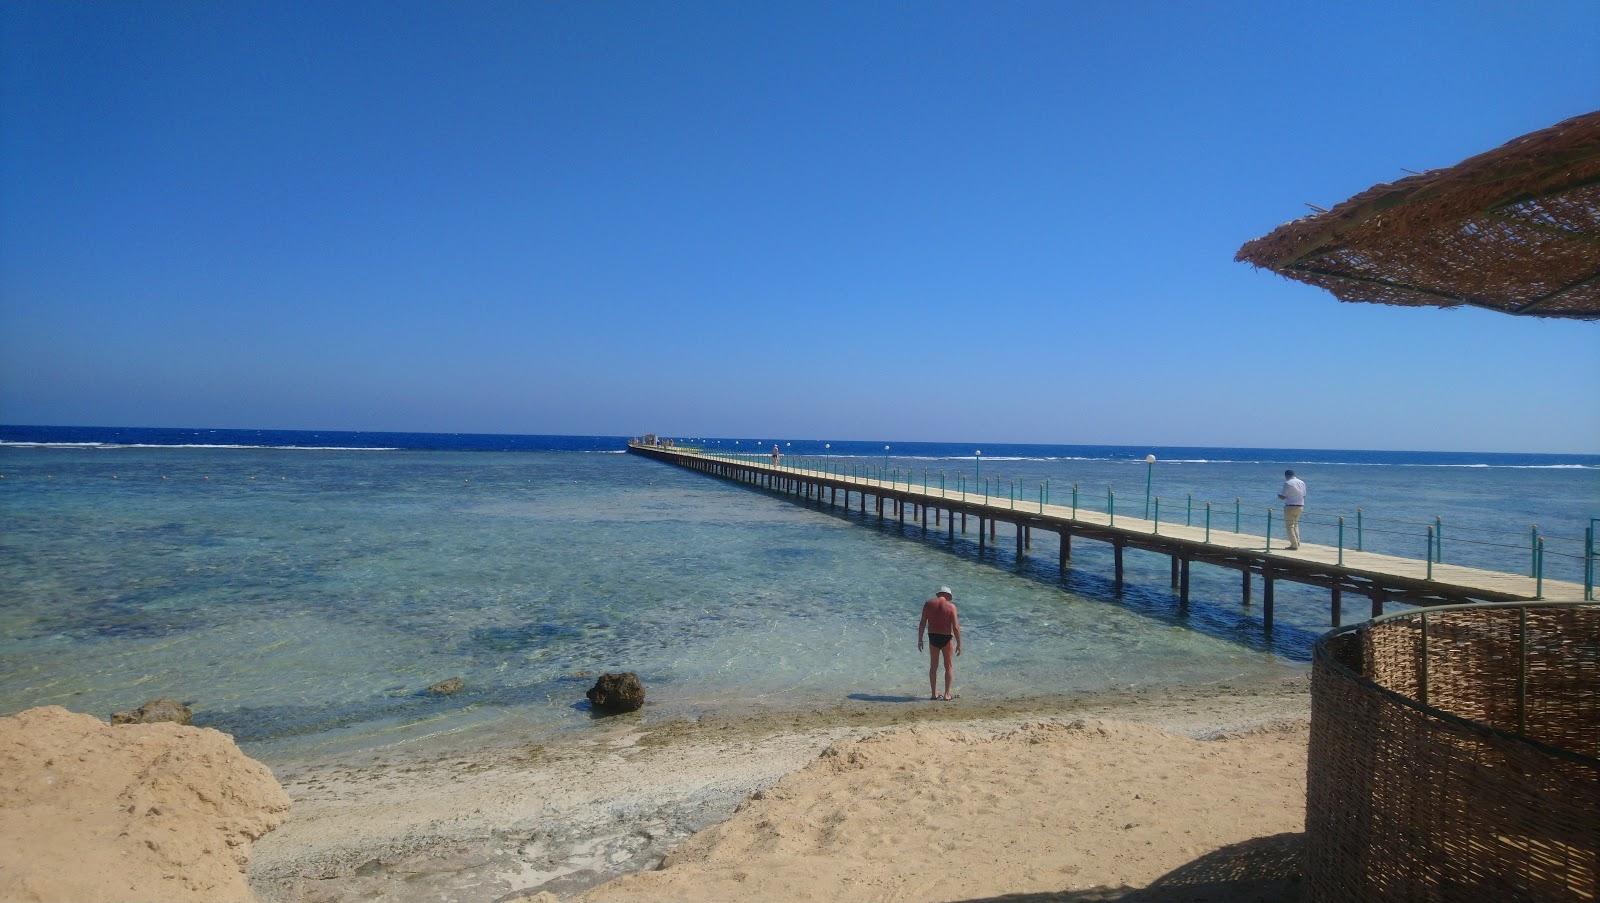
(1426, 540)
(1349, 538)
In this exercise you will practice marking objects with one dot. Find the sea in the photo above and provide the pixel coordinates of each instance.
(301, 590)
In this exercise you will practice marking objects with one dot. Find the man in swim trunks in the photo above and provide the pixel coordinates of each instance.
(940, 621)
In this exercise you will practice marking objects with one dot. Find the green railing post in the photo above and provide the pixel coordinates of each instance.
(1074, 501)
(1111, 507)
(1341, 540)
(1236, 515)
(1149, 471)
(1588, 561)
(961, 483)
(1157, 524)
(1208, 521)
(1188, 511)
(1359, 546)
(1041, 498)
(1438, 539)
(1538, 580)
(1013, 491)
(1269, 529)
(1533, 550)
(941, 484)
(1430, 553)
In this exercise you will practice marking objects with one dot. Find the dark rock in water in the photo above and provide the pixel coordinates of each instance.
(448, 687)
(156, 710)
(614, 693)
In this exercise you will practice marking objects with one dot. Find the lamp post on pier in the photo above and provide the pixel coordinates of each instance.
(977, 466)
(885, 475)
(1149, 473)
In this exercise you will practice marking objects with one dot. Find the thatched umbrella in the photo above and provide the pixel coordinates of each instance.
(1516, 230)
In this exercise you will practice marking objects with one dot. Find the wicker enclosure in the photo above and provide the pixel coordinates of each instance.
(1454, 756)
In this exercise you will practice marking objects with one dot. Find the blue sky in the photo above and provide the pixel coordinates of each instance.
(1001, 222)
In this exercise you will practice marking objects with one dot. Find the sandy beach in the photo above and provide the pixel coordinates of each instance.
(861, 801)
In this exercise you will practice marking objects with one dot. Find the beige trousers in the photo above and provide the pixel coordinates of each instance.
(1291, 523)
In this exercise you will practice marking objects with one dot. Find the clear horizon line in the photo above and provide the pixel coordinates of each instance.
(624, 436)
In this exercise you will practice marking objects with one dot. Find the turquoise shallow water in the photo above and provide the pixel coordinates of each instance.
(301, 599)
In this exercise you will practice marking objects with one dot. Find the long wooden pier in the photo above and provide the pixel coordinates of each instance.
(1374, 577)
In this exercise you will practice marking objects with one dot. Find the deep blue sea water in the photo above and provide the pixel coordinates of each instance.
(301, 587)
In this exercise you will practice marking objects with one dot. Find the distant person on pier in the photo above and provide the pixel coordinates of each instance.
(1294, 503)
(776, 455)
(940, 621)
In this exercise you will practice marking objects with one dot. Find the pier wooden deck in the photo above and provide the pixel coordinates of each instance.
(1375, 577)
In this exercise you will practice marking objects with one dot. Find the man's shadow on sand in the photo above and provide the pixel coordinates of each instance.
(874, 697)
(1259, 870)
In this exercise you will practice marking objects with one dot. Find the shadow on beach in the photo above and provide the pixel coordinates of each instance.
(875, 697)
(1259, 870)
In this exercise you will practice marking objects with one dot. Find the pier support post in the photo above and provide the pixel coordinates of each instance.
(963, 522)
(980, 534)
(1022, 543)
(1245, 592)
(1174, 557)
(833, 497)
(991, 529)
(950, 525)
(1337, 604)
(1266, 599)
(1065, 550)
(901, 505)
(863, 495)
(924, 517)
(880, 507)
(1183, 583)
(1377, 600)
(1027, 537)
(1116, 548)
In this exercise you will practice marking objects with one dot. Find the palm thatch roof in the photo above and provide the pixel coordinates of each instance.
(1516, 229)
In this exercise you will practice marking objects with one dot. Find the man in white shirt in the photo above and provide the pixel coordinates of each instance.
(1294, 502)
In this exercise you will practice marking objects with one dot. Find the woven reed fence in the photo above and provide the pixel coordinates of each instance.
(1455, 755)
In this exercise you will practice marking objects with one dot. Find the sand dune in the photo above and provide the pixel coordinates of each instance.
(141, 812)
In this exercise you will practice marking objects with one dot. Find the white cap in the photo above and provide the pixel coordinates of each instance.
(945, 591)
